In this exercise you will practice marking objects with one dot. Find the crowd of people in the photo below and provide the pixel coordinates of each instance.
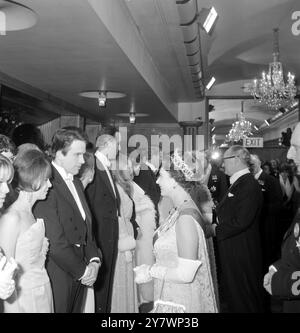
(86, 229)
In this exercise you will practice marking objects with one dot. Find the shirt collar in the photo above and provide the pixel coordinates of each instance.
(257, 175)
(103, 159)
(62, 172)
(238, 174)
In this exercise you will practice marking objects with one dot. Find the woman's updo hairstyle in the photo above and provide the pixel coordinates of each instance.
(183, 171)
(32, 169)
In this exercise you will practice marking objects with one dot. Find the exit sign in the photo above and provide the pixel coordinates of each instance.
(253, 142)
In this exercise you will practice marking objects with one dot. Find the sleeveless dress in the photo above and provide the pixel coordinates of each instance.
(124, 293)
(197, 296)
(34, 294)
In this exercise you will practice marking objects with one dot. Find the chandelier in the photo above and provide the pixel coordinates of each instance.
(241, 128)
(271, 89)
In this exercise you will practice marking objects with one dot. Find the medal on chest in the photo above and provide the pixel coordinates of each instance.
(296, 235)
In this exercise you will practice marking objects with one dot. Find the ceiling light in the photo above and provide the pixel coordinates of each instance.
(271, 89)
(15, 16)
(132, 118)
(266, 121)
(210, 83)
(102, 95)
(208, 18)
(255, 127)
(241, 128)
(102, 99)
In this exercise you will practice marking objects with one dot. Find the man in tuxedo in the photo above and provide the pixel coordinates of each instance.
(73, 257)
(283, 278)
(104, 201)
(269, 220)
(238, 237)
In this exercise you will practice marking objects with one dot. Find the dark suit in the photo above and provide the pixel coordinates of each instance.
(239, 245)
(217, 184)
(269, 221)
(65, 227)
(286, 281)
(104, 206)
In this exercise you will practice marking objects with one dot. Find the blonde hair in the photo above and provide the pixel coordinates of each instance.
(6, 169)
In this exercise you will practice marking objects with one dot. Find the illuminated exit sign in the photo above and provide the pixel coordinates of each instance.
(253, 142)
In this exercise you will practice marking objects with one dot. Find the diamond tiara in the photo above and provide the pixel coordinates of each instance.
(182, 166)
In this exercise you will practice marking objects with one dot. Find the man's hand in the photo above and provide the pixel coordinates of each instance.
(268, 281)
(91, 276)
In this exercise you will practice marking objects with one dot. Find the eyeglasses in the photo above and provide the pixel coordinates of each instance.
(225, 158)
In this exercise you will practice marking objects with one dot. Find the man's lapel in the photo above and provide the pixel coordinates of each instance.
(230, 189)
(104, 176)
(82, 198)
(62, 187)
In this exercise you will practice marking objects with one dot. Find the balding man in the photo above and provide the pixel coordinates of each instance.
(283, 278)
(104, 201)
(238, 236)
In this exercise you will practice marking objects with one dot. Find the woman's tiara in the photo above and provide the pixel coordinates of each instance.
(182, 166)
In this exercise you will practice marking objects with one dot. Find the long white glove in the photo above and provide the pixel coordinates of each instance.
(183, 273)
(7, 284)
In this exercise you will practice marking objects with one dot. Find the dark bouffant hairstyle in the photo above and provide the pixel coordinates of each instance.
(32, 168)
(28, 133)
(7, 145)
(64, 137)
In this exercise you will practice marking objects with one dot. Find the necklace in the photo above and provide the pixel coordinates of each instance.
(171, 219)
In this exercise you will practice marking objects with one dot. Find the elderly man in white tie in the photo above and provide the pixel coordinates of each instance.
(104, 200)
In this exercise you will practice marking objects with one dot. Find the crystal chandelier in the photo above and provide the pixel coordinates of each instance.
(271, 89)
(241, 128)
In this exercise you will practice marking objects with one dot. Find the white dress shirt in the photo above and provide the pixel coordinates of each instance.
(68, 179)
(106, 163)
(256, 176)
(237, 175)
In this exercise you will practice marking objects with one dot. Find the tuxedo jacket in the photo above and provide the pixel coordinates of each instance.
(65, 227)
(105, 207)
(239, 245)
(285, 282)
(272, 193)
(217, 184)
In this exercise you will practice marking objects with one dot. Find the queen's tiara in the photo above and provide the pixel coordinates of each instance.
(182, 166)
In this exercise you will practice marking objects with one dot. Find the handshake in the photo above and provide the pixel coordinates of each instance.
(7, 270)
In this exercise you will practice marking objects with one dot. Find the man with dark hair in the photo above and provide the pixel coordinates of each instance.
(74, 259)
(104, 200)
(238, 236)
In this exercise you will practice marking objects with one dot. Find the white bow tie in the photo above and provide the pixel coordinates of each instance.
(69, 177)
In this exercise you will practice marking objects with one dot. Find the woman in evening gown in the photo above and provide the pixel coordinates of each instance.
(124, 296)
(23, 238)
(181, 273)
